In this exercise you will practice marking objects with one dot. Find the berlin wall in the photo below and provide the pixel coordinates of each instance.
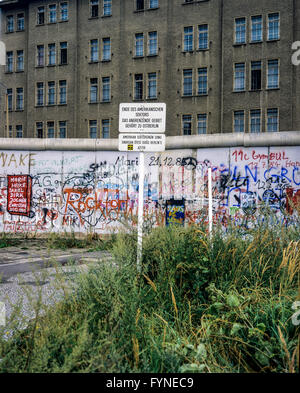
(97, 191)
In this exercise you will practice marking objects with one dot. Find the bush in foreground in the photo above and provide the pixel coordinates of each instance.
(198, 305)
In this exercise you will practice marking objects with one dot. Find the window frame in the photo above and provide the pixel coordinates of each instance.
(137, 45)
(184, 39)
(54, 93)
(149, 40)
(198, 37)
(183, 122)
(135, 81)
(60, 92)
(59, 129)
(104, 89)
(12, 28)
(261, 75)
(267, 118)
(47, 129)
(278, 75)
(17, 100)
(235, 31)
(250, 118)
(51, 12)
(252, 30)
(234, 77)
(62, 11)
(96, 126)
(268, 26)
(198, 80)
(150, 97)
(102, 128)
(233, 120)
(191, 84)
(206, 123)
(37, 94)
(18, 19)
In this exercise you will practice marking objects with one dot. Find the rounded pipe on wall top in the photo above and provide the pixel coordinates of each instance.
(286, 138)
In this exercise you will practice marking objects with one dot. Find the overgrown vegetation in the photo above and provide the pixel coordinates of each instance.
(6, 241)
(92, 241)
(199, 304)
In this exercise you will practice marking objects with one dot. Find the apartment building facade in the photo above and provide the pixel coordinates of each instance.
(220, 66)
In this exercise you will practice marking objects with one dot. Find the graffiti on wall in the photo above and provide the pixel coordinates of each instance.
(98, 191)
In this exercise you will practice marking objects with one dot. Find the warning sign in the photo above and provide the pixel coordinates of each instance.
(142, 142)
(19, 194)
(142, 118)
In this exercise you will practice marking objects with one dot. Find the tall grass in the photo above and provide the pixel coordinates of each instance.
(200, 304)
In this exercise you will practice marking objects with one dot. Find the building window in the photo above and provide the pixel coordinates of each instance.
(273, 74)
(20, 60)
(202, 123)
(188, 41)
(62, 129)
(255, 120)
(20, 99)
(93, 129)
(51, 54)
(41, 15)
(40, 94)
(152, 43)
(9, 93)
(52, 13)
(9, 61)
(50, 129)
(19, 131)
(93, 90)
(256, 28)
(203, 37)
(273, 26)
(239, 121)
(106, 89)
(187, 125)
(9, 24)
(202, 81)
(39, 126)
(64, 12)
(139, 45)
(153, 4)
(240, 31)
(105, 128)
(272, 120)
(188, 82)
(40, 56)
(255, 75)
(10, 132)
(63, 53)
(20, 22)
(107, 8)
(152, 85)
(138, 86)
(94, 8)
(239, 77)
(140, 5)
(106, 49)
(62, 92)
(51, 93)
(94, 48)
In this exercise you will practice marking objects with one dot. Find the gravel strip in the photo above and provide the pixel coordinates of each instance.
(24, 290)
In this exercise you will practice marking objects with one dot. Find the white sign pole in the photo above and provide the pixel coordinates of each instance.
(140, 210)
(209, 202)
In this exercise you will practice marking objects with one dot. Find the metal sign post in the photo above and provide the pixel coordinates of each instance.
(140, 127)
(140, 210)
(209, 202)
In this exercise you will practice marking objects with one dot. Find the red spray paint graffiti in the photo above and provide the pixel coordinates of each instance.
(19, 194)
